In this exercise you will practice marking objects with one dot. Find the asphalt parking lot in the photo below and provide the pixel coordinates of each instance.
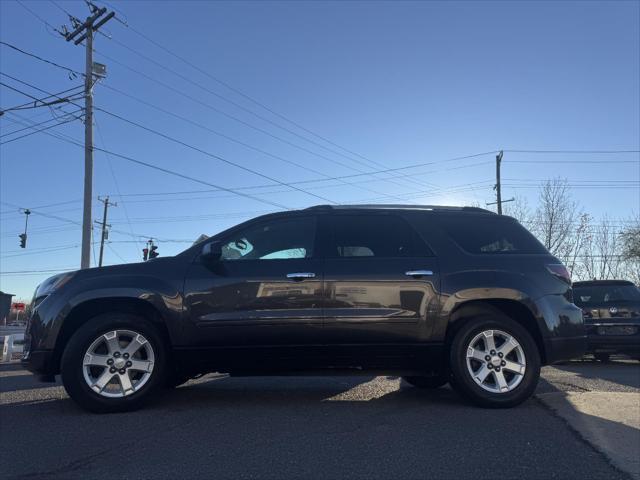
(312, 427)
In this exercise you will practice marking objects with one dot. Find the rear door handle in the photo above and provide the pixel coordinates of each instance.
(300, 275)
(419, 273)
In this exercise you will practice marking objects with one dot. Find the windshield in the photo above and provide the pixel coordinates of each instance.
(605, 294)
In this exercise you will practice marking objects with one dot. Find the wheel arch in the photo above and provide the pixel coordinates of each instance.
(514, 309)
(82, 313)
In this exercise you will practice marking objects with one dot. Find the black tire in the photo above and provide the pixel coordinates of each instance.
(72, 371)
(601, 357)
(427, 382)
(462, 379)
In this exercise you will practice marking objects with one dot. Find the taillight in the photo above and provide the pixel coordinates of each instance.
(560, 271)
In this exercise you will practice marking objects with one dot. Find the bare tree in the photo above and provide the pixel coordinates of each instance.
(631, 240)
(520, 210)
(555, 216)
(630, 249)
(576, 246)
(607, 249)
(602, 255)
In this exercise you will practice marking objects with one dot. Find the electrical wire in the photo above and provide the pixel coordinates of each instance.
(71, 71)
(38, 131)
(42, 101)
(571, 152)
(228, 115)
(247, 97)
(228, 137)
(115, 181)
(212, 155)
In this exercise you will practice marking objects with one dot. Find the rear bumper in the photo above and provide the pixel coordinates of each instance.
(627, 344)
(561, 349)
(565, 335)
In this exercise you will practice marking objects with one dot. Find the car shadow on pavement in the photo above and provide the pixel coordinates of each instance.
(222, 390)
(290, 427)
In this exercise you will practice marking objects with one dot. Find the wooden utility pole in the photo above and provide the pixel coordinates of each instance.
(498, 187)
(104, 226)
(86, 31)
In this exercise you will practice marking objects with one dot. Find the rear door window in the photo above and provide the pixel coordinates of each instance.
(492, 235)
(382, 236)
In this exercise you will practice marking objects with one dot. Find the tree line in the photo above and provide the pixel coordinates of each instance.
(590, 248)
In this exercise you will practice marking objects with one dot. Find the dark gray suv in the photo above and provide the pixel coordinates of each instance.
(435, 294)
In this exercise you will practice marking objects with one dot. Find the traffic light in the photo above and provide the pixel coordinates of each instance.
(23, 240)
(152, 252)
(145, 253)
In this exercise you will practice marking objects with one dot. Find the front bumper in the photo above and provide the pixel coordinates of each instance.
(40, 362)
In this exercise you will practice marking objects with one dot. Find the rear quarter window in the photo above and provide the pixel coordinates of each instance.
(491, 235)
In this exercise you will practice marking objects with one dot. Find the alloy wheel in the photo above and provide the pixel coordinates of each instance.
(118, 363)
(496, 361)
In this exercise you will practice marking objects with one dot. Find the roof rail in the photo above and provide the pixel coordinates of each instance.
(400, 207)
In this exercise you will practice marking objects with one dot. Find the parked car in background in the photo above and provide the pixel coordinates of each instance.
(434, 294)
(611, 310)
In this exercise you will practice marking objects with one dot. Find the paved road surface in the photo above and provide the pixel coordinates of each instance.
(312, 427)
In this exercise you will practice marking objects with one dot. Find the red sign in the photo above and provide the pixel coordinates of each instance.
(18, 306)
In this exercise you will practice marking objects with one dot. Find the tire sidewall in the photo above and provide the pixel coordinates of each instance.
(462, 379)
(72, 363)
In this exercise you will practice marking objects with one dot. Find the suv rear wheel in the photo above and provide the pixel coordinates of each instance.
(494, 361)
(113, 363)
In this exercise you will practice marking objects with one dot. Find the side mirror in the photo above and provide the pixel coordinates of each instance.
(211, 252)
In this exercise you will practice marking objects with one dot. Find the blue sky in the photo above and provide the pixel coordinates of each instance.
(397, 83)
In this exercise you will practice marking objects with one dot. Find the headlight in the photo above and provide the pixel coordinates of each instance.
(50, 285)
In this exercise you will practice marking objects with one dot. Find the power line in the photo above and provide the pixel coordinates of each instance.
(73, 73)
(228, 115)
(193, 179)
(30, 127)
(170, 172)
(247, 97)
(56, 204)
(39, 102)
(115, 181)
(29, 272)
(196, 149)
(573, 152)
(50, 250)
(227, 137)
(63, 10)
(581, 162)
(76, 223)
(38, 131)
(212, 155)
(74, 142)
(252, 100)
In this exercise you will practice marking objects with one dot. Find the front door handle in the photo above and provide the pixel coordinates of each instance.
(300, 275)
(419, 273)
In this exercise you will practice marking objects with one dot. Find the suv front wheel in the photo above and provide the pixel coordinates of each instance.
(494, 361)
(113, 363)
